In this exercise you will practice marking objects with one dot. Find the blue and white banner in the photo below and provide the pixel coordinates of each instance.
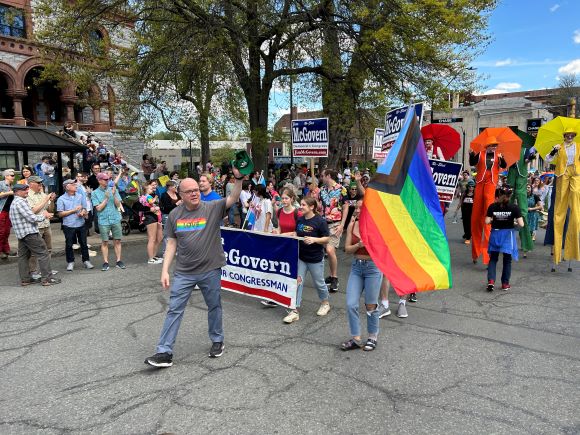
(394, 122)
(446, 177)
(310, 137)
(261, 265)
(378, 153)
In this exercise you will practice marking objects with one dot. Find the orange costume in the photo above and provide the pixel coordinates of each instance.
(487, 164)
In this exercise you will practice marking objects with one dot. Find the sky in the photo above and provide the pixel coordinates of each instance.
(533, 43)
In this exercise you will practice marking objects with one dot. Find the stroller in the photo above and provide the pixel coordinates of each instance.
(131, 219)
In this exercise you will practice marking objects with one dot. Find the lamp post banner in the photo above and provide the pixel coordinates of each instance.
(394, 122)
(446, 177)
(310, 137)
(260, 265)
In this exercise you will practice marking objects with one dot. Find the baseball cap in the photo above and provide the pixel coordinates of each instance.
(20, 187)
(67, 182)
(8, 172)
(35, 179)
(102, 176)
(243, 163)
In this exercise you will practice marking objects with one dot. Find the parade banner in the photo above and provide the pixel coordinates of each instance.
(310, 137)
(378, 153)
(394, 123)
(261, 265)
(446, 177)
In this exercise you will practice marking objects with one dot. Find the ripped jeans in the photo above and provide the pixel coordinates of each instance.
(364, 275)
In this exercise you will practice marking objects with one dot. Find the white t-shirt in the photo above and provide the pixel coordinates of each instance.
(244, 198)
(262, 208)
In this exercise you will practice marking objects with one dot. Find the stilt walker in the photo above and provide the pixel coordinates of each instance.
(566, 158)
(518, 179)
(488, 163)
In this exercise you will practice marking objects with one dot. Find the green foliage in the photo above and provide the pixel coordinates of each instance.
(223, 154)
(167, 135)
(192, 62)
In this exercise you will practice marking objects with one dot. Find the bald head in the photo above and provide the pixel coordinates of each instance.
(189, 192)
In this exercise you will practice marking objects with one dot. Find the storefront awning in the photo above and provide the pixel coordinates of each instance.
(14, 138)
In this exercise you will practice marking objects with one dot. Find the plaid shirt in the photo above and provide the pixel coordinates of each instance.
(24, 222)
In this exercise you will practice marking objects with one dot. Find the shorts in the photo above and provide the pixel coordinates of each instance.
(334, 240)
(115, 229)
(149, 219)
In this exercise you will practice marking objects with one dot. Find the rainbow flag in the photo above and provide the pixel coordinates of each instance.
(401, 222)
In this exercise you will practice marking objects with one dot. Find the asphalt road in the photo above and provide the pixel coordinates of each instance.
(464, 361)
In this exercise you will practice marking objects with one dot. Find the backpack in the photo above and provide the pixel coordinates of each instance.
(276, 222)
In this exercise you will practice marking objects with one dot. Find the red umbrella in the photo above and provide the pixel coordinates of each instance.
(508, 143)
(444, 137)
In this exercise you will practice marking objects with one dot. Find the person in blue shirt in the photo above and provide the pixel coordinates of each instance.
(205, 187)
(106, 201)
(72, 209)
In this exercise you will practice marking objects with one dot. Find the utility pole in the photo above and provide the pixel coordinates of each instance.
(291, 106)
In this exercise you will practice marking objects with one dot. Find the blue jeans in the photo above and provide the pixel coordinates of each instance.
(364, 275)
(506, 272)
(164, 243)
(210, 285)
(317, 273)
(232, 214)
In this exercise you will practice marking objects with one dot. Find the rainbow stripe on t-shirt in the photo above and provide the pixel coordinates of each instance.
(190, 224)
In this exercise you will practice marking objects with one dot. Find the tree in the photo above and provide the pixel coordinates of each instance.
(167, 135)
(568, 88)
(400, 45)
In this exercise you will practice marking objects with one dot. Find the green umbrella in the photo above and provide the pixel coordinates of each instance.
(528, 140)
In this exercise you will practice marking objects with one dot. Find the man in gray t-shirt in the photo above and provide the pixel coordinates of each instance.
(194, 229)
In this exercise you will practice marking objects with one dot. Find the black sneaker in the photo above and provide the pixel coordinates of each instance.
(490, 286)
(413, 297)
(333, 288)
(217, 349)
(105, 267)
(120, 265)
(328, 280)
(160, 360)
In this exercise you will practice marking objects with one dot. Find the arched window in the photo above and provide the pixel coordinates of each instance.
(12, 22)
(96, 42)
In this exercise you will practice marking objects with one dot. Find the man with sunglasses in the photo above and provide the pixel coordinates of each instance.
(193, 228)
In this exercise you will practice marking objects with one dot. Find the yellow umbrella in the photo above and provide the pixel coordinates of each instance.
(552, 133)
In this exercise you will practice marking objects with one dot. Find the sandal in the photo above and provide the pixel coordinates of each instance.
(370, 345)
(350, 345)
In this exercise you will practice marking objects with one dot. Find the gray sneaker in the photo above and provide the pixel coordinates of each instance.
(70, 267)
(384, 311)
(402, 310)
(88, 265)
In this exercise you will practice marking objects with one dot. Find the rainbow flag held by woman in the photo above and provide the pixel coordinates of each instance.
(401, 222)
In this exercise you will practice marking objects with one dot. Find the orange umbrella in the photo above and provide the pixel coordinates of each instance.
(508, 143)
(444, 137)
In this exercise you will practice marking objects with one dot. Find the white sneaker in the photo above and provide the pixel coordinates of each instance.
(402, 310)
(89, 246)
(292, 316)
(155, 261)
(92, 253)
(35, 275)
(323, 310)
(76, 246)
(70, 267)
(54, 272)
(88, 265)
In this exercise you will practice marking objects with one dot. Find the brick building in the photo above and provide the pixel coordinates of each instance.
(24, 101)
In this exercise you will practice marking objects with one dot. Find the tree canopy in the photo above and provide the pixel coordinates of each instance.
(399, 49)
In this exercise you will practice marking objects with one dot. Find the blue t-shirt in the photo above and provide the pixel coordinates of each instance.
(110, 214)
(313, 227)
(212, 196)
(68, 202)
